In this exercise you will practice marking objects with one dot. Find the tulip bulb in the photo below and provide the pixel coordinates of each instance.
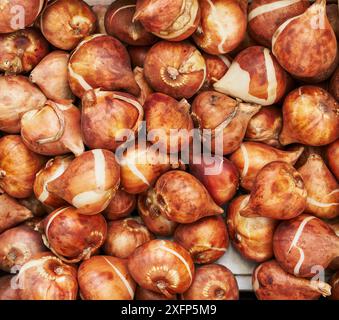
(334, 85)
(121, 206)
(138, 55)
(332, 155)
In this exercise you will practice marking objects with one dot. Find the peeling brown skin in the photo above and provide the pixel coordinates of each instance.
(6, 290)
(252, 237)
(317, 237)
(104, 63)
(262, 27)
(17, 246)
(138, 55)
(65, 23)
(310, 117)
(334, 85)
(70, 233)
(165, 56)
(142, 294)
(212, 282)
(259, 155)
(278, 192)
(332, 155)
(145, 89)
(320, 185)
(22, 50)
(119, 23)
(121, 206)
(334, 283)
(215, 70)
(276, 284)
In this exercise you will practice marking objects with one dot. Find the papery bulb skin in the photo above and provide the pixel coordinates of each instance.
(7, 290)
(21, 51)
(191, 204)
(332, 155)
(119, 23)
(305, 245)
(17, 246)
(310, 117)
(73, 237)
(46, 277)
(24, 15)
(252, 237)
(12, 212)
(54, 168)
(155, 221)
(333, 17)
(334, 85)
(176, 69)
(124, 236)
(106, 115)
(112, 70)
(206, 240)
(255, 76)
(121, 206)
(251, 157)
(64, 23)
(311, 32)
(278, 192)
(212, 282)
(219, 176)
(322, 188)
(18, 167)
(141, 165)
(105, 278)
(334, 282)
(162, 266)
(173, 21)
(51, 76)
(145, 89)
(17, 96)
(138, 55)
(100, 12)
(222, 26)
(89, 182)
(53, 130)
(225, 117)
(142, 294)
(271, 282)
(265, 17)
(171, 119)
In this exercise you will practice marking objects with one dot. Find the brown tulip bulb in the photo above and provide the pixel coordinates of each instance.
(304, 245)
(278, 192)
(252, 237)
(311, 117)
(334, 85)
(226, 118)
(138, 55)
(124, 236)
(206, 240)
(73, 237)
(51, 76)
(271, 282)
(119, 23)
(265, 17)
(219, 176)
(222, 26)
(265, 126)
(46, 277)
(255, 76)
(168, 119)
(111, 70)
(100, 12)
(19, 14)
(212, 282)
(12, 212)
(155, 221)
(105, 278)
(89, 182)
(322, 188)
(176, 69)
(64, 23)
(121, 206)
(192, 203)
(17, 96)
(175, 20)
(294, 37)
(251, 157)
(21, 51)
(106, 116)
(17, 246)
(142, 294)
(8, 290)
(332, 155)
(18, 167)
(162, 266)
(145, 89)
(53, 130)
(334, 282)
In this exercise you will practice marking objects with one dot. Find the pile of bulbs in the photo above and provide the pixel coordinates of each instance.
(76, 223)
